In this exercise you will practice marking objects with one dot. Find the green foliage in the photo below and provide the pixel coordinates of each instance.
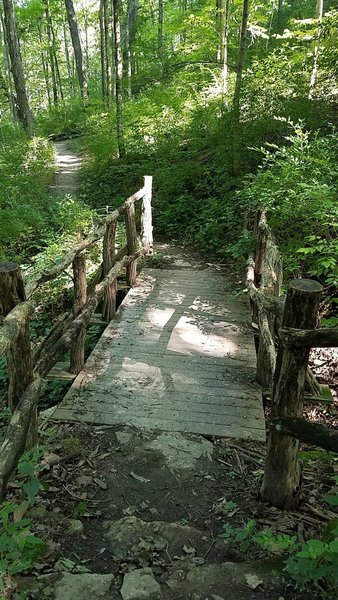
(26, 167)
(312, 565)
(19, 548)
(297, 187)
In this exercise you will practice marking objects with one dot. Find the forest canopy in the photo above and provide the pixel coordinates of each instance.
(230, 105)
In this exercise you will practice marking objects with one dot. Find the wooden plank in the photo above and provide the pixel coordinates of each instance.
(154, 424)
(163, 365)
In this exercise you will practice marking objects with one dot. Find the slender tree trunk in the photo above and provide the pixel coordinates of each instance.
(131, 33)
(24, 112)
(68, 61)
(87, 44)
(106, 23)
(56, 62)
(224, 48)
(44, 62)
(314, 74)
(119, 75)
(7, 74)
(160, 35)
(103, 53)
(51, 52)
(74, 32)
(184, 11)
(238, 88)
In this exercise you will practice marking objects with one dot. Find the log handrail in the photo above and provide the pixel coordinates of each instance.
(70, 332)
(87, 242)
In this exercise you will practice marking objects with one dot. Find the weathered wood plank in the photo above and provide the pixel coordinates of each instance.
(161, 365)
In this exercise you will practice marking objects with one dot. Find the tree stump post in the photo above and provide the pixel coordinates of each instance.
(132, 243)
(282, 475)
(77, 353)
(146, 218)
(109, 302)
(19, 359)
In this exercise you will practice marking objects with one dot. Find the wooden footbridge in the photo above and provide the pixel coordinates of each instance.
(179, 356)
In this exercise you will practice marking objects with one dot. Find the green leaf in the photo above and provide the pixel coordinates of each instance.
(31, 488)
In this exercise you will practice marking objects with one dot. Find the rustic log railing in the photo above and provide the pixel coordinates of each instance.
(26, 370)
(286, 335)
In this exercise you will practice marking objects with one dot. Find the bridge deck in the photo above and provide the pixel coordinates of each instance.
(180, 356)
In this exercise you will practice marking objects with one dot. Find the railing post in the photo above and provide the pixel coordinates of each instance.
(146, 219)
(20, 370)
(77, 353)
(109, 302)
(132, 244)
(281, 480)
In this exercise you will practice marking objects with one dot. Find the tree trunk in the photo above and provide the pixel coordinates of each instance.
(51, 52)
(103, 54)
(314, 74)
(107, 64)
(44, 62)
(74, 32)
(119, 76)
(224, 48)
(24, 112)
(7, 74)
(236, 142)
(160, 35)
(67, 54)
(281, 481)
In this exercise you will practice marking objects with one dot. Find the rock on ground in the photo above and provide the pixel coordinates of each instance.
(129, 535)
(181, 451)
(84, 585)
(140, 585)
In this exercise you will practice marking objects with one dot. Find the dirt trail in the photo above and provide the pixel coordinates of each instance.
(68, 167)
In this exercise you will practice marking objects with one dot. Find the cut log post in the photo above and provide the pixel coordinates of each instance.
(12, 290)
(315, 434)
(146, 218)
(19, 358)
(109, 301)
(132, 243)
(77, 355)
(281, 480)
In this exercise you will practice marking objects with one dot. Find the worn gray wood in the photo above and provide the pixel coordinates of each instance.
(178, 357)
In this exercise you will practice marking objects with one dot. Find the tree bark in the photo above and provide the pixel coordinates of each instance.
(315, 434)
(132, 243)
(119, 77)
(44, 62)
(19, 358)
(103, 54)
(146, 218)
(160, 35)
(313, 338)
(109, 302)
(77, 353)
(281, 482)
(314, 73)
(224, 29)
(107, 63)
(74, 32)
(236, 138)
(51, 52)
(24, 111)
